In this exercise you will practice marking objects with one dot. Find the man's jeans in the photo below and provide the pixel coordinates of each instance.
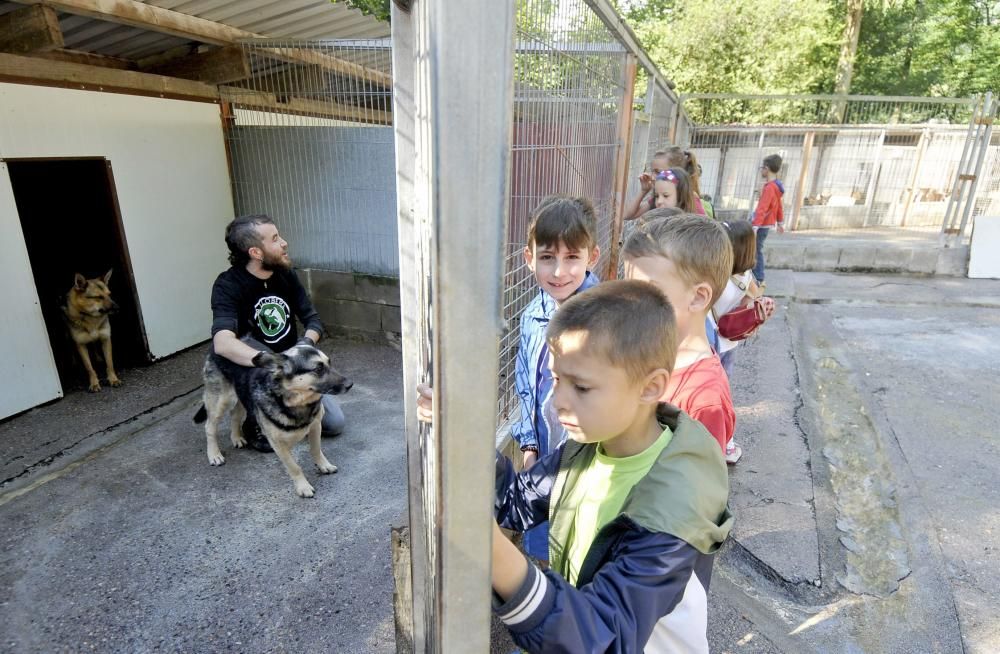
(758, 269)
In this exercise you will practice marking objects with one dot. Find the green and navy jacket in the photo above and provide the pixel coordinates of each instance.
(643, 586)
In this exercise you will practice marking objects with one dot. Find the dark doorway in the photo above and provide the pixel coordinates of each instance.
(69, 215)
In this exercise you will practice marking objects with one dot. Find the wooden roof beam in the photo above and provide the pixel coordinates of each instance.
(45, 72)
(167, 21)
(218, 66)
(30, 29)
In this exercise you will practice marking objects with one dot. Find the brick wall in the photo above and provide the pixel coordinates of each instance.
(355, 304)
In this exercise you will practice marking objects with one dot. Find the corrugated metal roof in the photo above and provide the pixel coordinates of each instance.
(292, 19)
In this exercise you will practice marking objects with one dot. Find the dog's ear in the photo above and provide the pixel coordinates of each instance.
(107, 276)
(268, 360)
(79, 282)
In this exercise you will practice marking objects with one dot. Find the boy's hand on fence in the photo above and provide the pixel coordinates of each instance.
(425, 403)
(646, 183)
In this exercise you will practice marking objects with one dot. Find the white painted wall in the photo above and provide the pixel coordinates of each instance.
(169, 163)
(27, 367)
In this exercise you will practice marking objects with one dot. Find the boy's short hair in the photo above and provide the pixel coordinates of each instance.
(698, 247)
(628, 323)
(563, 219)
(661, 212)
(773, 162)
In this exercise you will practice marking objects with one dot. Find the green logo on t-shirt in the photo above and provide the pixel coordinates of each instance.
(271, 314)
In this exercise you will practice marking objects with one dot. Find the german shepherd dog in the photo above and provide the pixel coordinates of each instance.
(87, 307)
(283, 390)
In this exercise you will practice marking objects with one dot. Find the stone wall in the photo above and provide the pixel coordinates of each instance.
(354, 304)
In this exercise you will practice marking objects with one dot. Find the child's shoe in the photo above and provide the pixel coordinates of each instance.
(733, 452)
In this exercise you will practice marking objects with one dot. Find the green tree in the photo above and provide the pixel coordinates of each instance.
(377, 8)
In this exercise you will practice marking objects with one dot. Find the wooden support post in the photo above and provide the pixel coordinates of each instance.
(218, 66)
(622, 164)
(911, 189)
(30, 29)
(800, 187)
(86, 58)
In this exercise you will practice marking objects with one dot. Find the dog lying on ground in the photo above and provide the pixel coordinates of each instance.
(88, 305)
(283, 390)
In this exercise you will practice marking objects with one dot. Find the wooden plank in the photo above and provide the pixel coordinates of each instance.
(86, 58)
(32, 70)
(174, 23)
(219, 66)
(247, 99)
(800, 186)
(624, 154)
(30, 29)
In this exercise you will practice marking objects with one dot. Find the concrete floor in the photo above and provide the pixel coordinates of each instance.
(865, 503)
(129, 541)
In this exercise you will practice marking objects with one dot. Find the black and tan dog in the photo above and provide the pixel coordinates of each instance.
(88, 305)
(283, 391)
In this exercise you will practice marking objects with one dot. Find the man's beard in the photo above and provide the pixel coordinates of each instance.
(272, 263)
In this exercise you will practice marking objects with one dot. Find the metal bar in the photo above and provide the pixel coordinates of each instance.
(852, 98)
(800, 189)
(925, 137)
(989, 111)
(956, 190)
(870, 191)
(413, 325)
(463, 128)
(624, 153)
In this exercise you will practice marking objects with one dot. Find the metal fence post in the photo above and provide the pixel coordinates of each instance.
(463, 88)
(925, 137)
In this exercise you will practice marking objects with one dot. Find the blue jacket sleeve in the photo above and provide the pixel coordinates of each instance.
(522, 498)
(644, 581)
(523, 431)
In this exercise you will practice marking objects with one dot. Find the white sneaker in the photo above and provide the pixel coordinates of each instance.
(733, 453)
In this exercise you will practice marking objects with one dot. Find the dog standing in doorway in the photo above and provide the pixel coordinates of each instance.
(87, 310)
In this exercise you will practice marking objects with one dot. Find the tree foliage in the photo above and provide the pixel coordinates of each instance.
(377, 8)
(906, 47)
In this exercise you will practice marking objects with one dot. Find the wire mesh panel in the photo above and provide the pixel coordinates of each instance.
(310, 143)
(569, 81)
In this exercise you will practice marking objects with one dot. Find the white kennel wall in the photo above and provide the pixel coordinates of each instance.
(172, 183)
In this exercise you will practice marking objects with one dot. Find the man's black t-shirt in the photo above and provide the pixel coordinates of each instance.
(264, 308)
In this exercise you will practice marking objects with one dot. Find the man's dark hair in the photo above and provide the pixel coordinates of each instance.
(241, 235)
(773, 163)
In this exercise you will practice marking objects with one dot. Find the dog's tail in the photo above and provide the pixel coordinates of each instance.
(201, 416)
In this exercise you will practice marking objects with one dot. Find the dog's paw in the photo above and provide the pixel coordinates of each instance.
(238, 441)
(326, 468)
(114, 381)
(304, 489)
(94, 388)
(216, 459)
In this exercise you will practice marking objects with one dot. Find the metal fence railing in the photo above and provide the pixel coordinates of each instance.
(892, 162)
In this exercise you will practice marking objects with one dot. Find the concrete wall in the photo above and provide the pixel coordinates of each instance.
(169, 163)
(355, 304)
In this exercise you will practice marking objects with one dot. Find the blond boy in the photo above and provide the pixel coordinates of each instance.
(690, 260)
